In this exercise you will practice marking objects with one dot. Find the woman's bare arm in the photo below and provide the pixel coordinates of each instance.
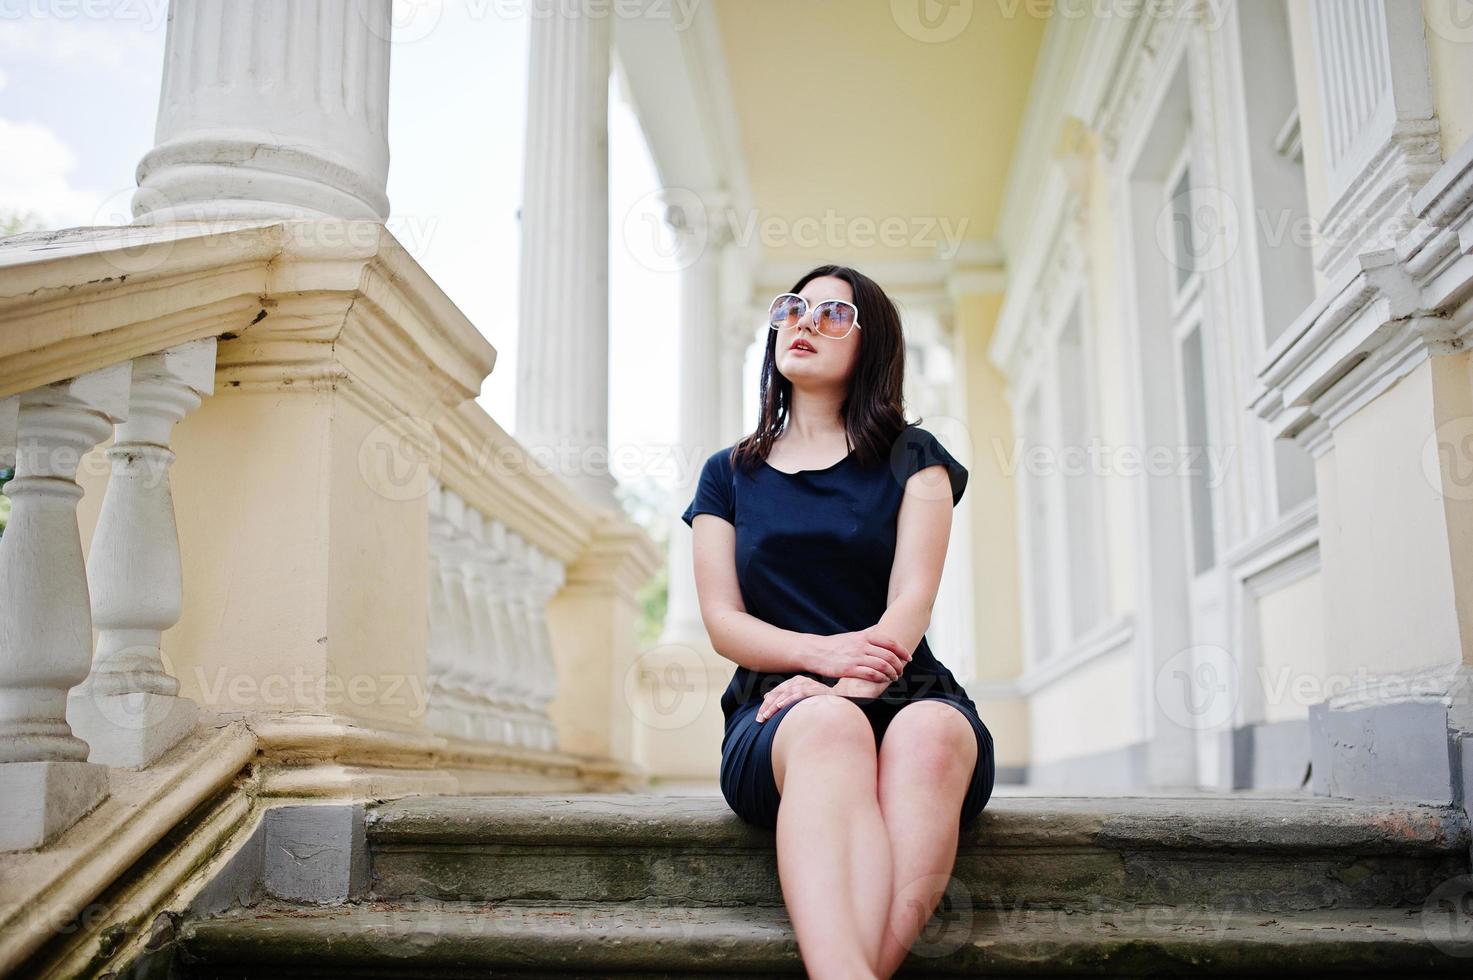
(923, 528)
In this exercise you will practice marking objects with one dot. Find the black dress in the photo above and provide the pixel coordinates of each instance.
(814, 551)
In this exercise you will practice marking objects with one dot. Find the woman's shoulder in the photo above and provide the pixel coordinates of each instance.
(915, 441)
(917, 448)
(720, 460)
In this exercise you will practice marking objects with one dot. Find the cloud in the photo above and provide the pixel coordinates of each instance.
(34, 177)
(117, 41)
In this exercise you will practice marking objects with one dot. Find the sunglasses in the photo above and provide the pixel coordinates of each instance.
(833, 317)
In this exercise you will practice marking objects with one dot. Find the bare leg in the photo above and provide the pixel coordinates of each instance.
(833, 853)
(926, 762)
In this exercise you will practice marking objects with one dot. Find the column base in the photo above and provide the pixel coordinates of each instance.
(1398, 750)
(39, 800)
(130, 731)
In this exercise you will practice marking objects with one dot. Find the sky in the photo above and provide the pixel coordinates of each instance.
(79, 86)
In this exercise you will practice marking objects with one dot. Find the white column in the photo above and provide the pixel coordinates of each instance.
(46, 784)
(271, 108)
(700, 433)
(129, 710)
(563, 340)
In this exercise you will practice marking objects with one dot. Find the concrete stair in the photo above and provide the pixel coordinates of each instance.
(644, 885)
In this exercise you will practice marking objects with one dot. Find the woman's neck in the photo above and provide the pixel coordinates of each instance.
(813, 417)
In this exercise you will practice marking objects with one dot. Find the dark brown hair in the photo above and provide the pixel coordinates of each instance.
(873, 409)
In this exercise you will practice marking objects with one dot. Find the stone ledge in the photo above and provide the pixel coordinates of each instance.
(413, 940)
(1291, 823)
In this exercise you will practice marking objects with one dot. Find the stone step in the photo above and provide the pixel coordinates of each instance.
(600, 940)
(1261, 853)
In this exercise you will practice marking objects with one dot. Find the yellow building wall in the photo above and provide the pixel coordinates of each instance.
(1450, 61)
(1390, 584)
(997, 595)
(1291, 639)
(1092, 709)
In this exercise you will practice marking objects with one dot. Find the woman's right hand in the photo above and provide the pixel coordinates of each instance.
(868, 654)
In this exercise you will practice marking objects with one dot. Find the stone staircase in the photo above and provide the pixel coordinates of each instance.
(657, 886)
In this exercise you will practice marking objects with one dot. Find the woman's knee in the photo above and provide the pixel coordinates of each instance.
(931, 737)
(824, 724)
(832, 716)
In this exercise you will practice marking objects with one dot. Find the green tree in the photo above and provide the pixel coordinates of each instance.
(13, 222)
(6, 473)
(646, 503)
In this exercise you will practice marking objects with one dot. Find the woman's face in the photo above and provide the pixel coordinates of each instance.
(831, 361)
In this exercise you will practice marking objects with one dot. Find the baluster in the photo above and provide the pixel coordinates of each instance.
(128, 710)
(449, 707)
(499, 574)
(46, 782)
(478, 654)
(525, 672)
(546, 579)
(440, 643)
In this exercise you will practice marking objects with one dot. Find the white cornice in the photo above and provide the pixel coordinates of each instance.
(83, 298)
(1048, 101)
(1079, 74)
(933, 283)
(678, 85)
(1378, 319)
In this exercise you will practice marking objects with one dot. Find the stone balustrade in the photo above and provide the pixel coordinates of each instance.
(491, 668)
(274, 471)
(61, 725)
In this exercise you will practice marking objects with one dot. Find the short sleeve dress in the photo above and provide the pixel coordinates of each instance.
(814, 551)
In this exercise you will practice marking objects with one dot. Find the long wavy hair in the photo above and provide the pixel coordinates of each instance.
(873, 408)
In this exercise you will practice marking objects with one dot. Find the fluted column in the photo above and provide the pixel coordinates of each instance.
(46, 784)
(129, 710)
(270, 108)
(700, 430)
(563, 340)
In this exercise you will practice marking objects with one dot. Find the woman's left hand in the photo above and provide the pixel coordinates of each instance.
(790, 691)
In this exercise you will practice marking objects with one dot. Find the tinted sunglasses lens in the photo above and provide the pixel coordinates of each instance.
(834, 319)
(786, 311)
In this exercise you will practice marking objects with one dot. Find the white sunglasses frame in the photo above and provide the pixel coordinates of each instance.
(809, 308)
